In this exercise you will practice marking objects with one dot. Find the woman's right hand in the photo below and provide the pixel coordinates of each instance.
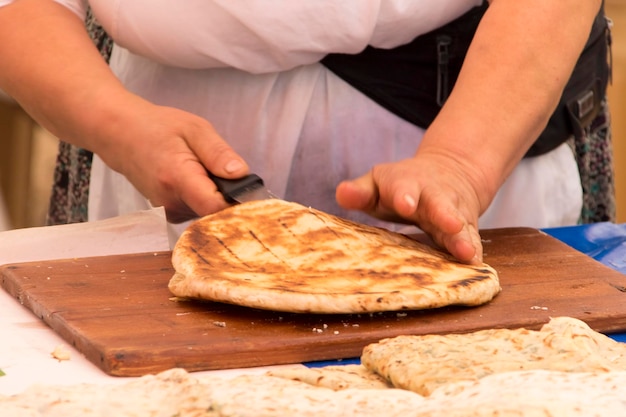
(165, 153)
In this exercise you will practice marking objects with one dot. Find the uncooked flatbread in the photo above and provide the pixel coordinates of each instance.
(176, 393)
(536, 393)
(334, 377)
(276, 255)
(424, 363)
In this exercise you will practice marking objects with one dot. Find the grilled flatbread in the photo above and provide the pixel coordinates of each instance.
(282, 256)
(423, 364)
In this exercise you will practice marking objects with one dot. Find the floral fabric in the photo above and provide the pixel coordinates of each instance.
(594, 154)
(70, 189)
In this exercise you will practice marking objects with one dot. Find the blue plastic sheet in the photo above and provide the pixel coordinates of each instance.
(605, 242)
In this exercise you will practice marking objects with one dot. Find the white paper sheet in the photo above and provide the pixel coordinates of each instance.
(144, 231)
(26, 343)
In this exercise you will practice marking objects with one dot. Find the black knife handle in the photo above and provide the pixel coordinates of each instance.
(230, 189)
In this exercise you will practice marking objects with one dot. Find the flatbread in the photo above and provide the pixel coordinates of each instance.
(423, 364)
(177, 393)
(536, 393)
(282, 256)
(337, 377)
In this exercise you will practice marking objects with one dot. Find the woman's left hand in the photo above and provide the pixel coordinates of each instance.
(431, 191)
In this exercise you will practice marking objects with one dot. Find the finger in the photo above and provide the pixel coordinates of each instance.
(214, 152)
(194, 195)
(450, 229)
(358, 194)
(398, 190)
(477, 242)
(201, 194)
(465, 247)
(374, 194)
(405, 203)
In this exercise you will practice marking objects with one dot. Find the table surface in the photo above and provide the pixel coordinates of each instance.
(26, 343)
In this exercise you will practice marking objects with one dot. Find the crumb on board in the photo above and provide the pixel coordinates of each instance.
(61, 353)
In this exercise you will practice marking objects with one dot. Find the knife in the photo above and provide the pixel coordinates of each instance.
(241, 190)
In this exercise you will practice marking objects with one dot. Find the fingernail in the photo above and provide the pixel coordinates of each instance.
(233, 166)
(410, 200)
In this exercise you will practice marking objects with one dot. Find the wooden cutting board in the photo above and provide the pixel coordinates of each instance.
(118, 311)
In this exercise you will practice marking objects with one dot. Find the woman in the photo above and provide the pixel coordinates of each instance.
(225, 86)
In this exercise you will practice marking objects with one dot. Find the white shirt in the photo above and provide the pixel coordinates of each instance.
(251, 68)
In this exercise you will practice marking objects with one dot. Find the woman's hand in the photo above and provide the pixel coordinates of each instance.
(431, 191)
(165, 153)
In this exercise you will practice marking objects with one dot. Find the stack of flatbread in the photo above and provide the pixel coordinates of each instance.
(563, 370)
(272, 254)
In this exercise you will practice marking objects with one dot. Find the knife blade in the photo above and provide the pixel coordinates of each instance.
(240, 190)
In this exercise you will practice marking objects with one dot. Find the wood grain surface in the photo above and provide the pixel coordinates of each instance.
(118, 311)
